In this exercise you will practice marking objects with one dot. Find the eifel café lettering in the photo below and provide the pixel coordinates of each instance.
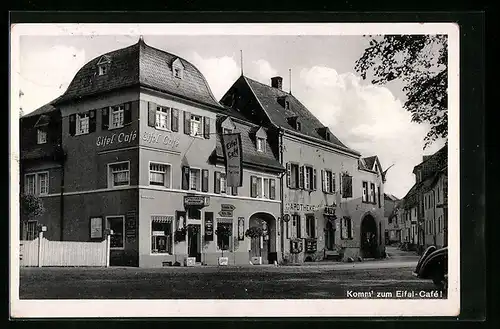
(116, 138)
(166, 139)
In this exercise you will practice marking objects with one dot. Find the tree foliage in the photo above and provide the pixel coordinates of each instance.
(420, 62)
(31, 206)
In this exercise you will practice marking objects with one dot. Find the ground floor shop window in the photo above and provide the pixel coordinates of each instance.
(116, 224)
(311, 226)
(296, 225)
(161, 235)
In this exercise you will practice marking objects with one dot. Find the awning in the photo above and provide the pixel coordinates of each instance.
(162, 219)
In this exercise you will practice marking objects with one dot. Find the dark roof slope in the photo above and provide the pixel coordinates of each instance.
(47, 108)
(250, 154)
(369, 161)
(434, 162)
(141, 64)
(268, 98)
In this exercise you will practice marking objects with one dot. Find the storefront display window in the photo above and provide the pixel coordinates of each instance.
(161, 235)
(116, 224)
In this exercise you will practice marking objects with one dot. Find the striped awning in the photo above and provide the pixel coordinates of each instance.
(162, 219)
(224, 220)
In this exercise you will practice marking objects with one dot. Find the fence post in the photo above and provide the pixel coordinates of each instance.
(108, 246)
(40, 238)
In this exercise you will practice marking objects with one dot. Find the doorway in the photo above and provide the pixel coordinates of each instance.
(194, 241)
(329, 236)
(264, 246)
(369, 237)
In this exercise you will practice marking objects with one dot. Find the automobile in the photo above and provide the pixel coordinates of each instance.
(433, 265)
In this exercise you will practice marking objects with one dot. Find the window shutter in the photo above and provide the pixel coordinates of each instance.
(301, 177)
(253, 186)
(204, 181)
(314, 187)
(206, 128)
(127, 114)
(185, 178)
(342, 228)
(187, 123)
(323, 180)
(151, 114)
(272, 189)
(234, 190)
(92, 121)
(350, 228)
(217, 182)
(175, 119)
(72, 124)
(288, 174)
(105, 118)
(333, 187)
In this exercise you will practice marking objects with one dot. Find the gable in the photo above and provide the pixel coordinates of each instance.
(104, 60)
(178, 63)
(261, 133)
(228, 124)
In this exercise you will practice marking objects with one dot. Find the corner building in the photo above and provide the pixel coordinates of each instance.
(141, 132)
(332, 198)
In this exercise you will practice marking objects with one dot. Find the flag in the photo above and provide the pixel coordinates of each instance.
(231, 146)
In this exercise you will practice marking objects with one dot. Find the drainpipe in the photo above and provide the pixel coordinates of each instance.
(434, 217)
(282, 226)
(62, 160)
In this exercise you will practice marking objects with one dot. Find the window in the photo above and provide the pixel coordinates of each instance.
(328, 181)
(117, 116)
(311, 226)
(261, 145)
(293, 175)
(378, 195)
(223, 184)
(309, 178)
(41, 136)
(36, 183)
(223, 242)
(296, 225)
(82, 123)
(346, 228)
(103, 69)
(194, 179)
(29, 230)
(196, 127)
(119, 174)
(365, 192)
(226, 131)
(162, 118)
(159, 174)
(372, 193)
(194, 213)
(178, 72)
(287, 105)
(299, 126)
(261, 187)
(346, 186)
(161, 235)
(117, 224)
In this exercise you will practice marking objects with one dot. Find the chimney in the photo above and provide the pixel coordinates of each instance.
(277, 82)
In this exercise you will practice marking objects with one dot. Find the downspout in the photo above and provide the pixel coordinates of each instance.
(434, 216)
(282, 228)
(61, 203)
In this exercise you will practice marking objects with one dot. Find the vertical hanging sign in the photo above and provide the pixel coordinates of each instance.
(231, 145)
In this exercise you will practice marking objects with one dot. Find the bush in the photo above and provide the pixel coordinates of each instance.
(254, 232)
(31, 206)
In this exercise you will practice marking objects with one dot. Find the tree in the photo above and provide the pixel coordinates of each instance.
(31, 206)
(420, 62)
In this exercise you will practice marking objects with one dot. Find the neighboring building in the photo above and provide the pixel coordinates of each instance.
(426, 198)
(392, 220)
(141, 131)
(331, 197)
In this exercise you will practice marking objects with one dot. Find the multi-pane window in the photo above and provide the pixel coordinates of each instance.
(261, 187)
(29, 230)
(223, 183)
(223, 241)
(328, 181)
(296, 225)
(119, 173)
(117, 116)
(36, 183)
(162, 117)
(41, 136)
(116, 224)
(372, 193)
(294, 175)
(82, 123)
(196, 125)
(365, 192)
(159, 174)
(194, 179)
(161, 235)
(103, 69)
(311, 226)
(261, 145)
(308, 178)
(265, 188)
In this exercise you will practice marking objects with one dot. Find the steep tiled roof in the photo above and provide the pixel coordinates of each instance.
(268, 98)
(433, 163)
(250, 154)
(141, 64)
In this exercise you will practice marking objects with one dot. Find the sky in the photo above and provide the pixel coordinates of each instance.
(368, 118)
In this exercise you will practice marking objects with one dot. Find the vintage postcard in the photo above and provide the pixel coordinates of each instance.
(234, 170)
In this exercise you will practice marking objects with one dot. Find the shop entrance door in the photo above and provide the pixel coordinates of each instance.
(329, 236)
(194, 242)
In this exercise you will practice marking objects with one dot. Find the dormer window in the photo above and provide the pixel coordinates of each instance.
(327, 136)
(178, 69)
(103, 70)
(41, 136)
(298, 126)
(261, 144)
(287, 105)
(226, 131)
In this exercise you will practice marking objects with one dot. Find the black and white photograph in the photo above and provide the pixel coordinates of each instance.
(234, 170)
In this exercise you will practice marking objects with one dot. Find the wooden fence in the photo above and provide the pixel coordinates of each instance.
(63, 253)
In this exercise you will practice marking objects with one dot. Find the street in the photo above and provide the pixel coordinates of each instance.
(308, 281)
